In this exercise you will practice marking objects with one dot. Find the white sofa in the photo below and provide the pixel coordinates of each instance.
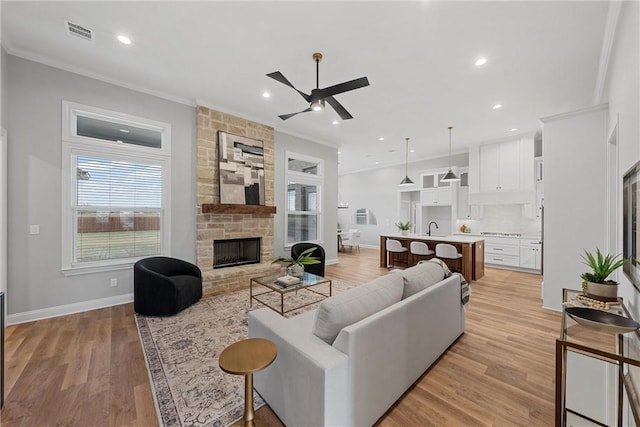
(354, 379)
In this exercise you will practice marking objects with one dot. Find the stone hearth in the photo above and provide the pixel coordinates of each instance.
(229, 225)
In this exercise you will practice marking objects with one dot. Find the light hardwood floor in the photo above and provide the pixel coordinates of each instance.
(87, 369)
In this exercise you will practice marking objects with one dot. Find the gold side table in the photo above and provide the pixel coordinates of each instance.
(244, 358)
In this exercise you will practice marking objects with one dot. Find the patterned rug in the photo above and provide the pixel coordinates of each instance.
(182, 352)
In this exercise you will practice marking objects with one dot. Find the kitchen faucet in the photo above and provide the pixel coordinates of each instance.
(429, 227)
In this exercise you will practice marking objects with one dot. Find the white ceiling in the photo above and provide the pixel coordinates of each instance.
(418, 56)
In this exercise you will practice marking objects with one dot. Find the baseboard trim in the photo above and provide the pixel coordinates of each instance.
(63, 310)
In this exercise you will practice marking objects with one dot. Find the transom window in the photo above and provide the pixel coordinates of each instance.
(115, 191)
(305, 180)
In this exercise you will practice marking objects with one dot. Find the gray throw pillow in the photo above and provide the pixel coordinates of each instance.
(351, 306)
(420, 277)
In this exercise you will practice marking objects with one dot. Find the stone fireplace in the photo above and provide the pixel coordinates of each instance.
(219, 222)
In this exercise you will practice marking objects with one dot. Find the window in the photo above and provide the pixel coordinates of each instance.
(115, 189)
(304, 182)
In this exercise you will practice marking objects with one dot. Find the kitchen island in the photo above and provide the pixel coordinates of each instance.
(471, 248)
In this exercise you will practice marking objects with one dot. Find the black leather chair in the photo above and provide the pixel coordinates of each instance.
(317, 269)
(163, 286)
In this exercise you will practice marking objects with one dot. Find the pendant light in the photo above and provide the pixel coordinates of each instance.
(450, 176)
(406, 180)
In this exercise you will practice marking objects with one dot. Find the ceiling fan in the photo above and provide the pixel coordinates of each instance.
(318, 96)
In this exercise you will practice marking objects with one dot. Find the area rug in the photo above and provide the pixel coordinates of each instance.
(182, 353)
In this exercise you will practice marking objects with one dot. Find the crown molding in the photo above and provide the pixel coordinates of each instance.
(608, 38)
(83, 72)
(574, 113)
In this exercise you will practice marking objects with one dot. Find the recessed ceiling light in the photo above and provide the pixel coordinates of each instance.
(412, 151)
(513, 129)
(377, 163)
(381, 138)
(124, 130)
(266, 94)
(480, 62)
(339, 152)
(335, 122)
(124, 39)
(497, 106)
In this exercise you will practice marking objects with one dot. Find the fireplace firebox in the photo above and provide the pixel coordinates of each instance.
(234, 252)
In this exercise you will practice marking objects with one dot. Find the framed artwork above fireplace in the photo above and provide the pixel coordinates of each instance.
(241, 166)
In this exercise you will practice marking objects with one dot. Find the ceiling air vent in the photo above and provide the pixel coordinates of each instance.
(78, 31)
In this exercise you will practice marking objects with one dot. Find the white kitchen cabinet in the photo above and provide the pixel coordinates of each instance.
(464, 212)
(538, 163)
(440, 196)
(531, 255)
(539, 200)
(500, 166)
(502, 172)
(502, 251)
(434, 192)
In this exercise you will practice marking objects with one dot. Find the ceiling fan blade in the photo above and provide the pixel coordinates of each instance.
(344, 114)
(342, 87)
(277, 75)
(288, 116)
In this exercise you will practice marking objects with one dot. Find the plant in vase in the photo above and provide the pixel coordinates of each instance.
(404, 227)
(595, 282)
(295, 266)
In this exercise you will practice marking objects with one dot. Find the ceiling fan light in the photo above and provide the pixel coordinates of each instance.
(317, 105)
(450, 177)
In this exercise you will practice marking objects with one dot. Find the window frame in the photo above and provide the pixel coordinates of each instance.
(316, 179)
(74, 145)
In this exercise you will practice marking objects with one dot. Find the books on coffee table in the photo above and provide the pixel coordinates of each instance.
(288, 280)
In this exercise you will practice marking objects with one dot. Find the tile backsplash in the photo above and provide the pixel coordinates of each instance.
(503, 219)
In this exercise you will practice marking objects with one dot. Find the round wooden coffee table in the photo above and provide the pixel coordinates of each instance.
(244, 358)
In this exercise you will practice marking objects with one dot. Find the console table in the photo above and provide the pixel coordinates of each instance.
(622, 350)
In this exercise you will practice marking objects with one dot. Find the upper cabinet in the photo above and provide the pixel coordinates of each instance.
(433, 192)
(499, 166)
(502, 172)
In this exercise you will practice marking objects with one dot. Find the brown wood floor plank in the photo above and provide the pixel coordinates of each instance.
(88, 368)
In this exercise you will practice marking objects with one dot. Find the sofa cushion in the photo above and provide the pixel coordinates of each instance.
(351, 306)
(420, 277)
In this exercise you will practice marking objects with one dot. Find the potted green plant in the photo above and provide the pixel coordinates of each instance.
(596, 281)
(295, 266)
(404, 227)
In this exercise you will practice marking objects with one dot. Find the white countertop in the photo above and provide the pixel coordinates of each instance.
(455, 238)
(484, 236)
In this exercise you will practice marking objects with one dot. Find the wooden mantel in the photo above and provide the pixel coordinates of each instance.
(211, 208)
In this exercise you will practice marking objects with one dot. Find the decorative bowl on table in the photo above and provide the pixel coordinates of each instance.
(602, 320)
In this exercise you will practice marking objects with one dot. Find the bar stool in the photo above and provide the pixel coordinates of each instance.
(419, 250)
(449, 254)
(394, 247)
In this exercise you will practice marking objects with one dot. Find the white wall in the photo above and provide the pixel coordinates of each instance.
(574, 147)
(36, 286)
(3, 87)
(283, 143)
(622, 90)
